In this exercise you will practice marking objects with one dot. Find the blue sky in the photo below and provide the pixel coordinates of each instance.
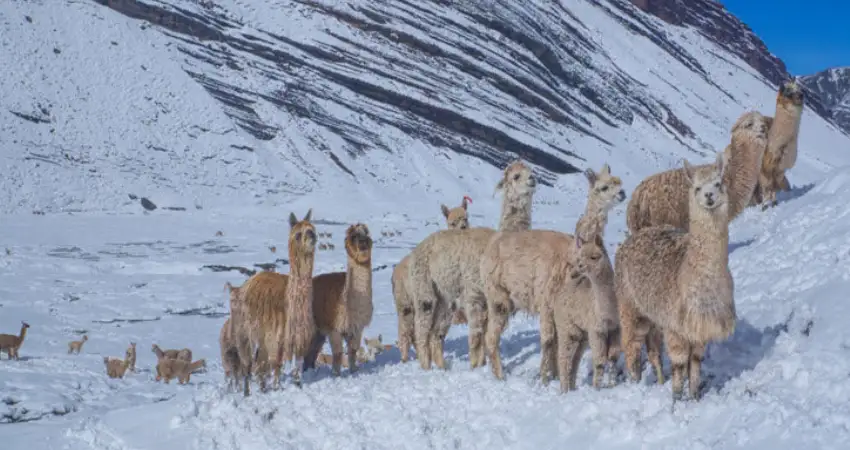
(808, 35)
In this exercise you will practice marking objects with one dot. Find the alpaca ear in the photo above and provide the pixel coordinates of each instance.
(606, 170)
(445, 210)
(463, 202)
(591, 176)
(579, 242)
(500, 185)
(721, 163)
(689, 170)
(309, 215)
(292, 220)
(380, 338)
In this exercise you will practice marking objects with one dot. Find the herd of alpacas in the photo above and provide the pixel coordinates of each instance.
(669, 285)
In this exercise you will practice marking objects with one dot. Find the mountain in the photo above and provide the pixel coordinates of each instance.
(187, 102)
(832, 86)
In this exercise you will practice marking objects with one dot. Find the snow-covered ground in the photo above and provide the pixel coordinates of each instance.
(780, 382)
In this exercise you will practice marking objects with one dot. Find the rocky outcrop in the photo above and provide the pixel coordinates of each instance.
(832, 87)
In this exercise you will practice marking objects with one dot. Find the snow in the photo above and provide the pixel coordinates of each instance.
(96, 264)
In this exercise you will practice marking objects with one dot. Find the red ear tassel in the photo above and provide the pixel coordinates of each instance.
(467, 198)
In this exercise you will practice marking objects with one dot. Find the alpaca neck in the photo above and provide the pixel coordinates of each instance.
(708, 235)
(300, 269)
(358, 281)
(594, 219)
(788, 118)
(516, 214)
(22, 335)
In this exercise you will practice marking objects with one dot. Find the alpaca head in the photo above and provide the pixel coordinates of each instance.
(24, 325)
(154, 348)
(589, 258)
(517, 181)
(302, 235)
(605, 190)
(706, 186)
(457, 218)
(85, 337)
(790, 92)
(358, 243)
(106, 360)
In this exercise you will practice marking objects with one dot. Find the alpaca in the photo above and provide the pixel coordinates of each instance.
(115, 368)
(229, 354)
(10, 343)
(183, 354)
(456, 218)
(781, 153)
(76, 346)
(679, 281)
(516, 266)
(169, 368)
(576, 301)
(277, 316)
(342, 301)
(445, 266)
(604, 193)
(130, 356)
(375, 343)
(662, 199)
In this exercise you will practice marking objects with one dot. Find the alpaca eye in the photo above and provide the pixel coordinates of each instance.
(717, 184)
(604, 188)
(516, 177)
(298, 236)
(697, 189)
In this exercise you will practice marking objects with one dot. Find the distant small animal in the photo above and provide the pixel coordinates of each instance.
(130, 356)
(323, 246)
(273, 249)
(115, 368)
(330, 246)
(219, 233)
(76, 346)
(10, 343)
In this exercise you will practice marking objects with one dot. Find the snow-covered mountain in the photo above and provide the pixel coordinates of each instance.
(832, 86)
(187, 102)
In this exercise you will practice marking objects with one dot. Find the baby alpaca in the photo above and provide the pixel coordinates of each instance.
(130, 356)
(169, 368)
(576, 296)
(342, 301)
(679, 281)
(115, 368)
(10, 343)
(374, 343)
(76, 346)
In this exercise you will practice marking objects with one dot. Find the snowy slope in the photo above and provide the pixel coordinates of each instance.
(261, 102)
(779, 382)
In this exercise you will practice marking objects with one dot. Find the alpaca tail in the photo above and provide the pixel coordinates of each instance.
(197, 365)
(710, 321)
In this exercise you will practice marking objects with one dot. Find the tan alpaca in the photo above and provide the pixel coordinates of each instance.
(375, 343)
(130, 357)
(781, 153)
(679, 281)
(342, 301)
(10, 343)
(456, 218)
(278, 309)
(604, 193)
(445, 265)
(169, 368)
(663, 198)
(229, 345)
(76, 346)
(517, 266)
(115, 368)
(184, 354)
(579, 290)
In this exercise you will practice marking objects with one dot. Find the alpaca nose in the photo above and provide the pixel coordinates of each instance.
(532, 182)
(621, 195)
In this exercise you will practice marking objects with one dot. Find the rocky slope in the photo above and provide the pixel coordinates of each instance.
(832, 86)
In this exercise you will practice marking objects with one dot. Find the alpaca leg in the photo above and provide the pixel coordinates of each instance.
(567, 349)
(599, 354)
(353, 344)
(654, 342)
(547, 343)
(313, 351)
(695, 364)
(404, 332)
(632, 335)
(498, 311)
(575, 364)
(336, 352)
(475, 307)
(679, 351)
(426, 303)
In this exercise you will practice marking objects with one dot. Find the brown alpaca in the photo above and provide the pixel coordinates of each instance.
(662, 199)
(115, 368)
(169, 368)
(342, 301)
(457, 218)
(578, 292)
(229, 345)
(10, 343)
(445, 266)
(183, 354)
(278, 309)
(516, 267)
(679, 281)
(76, 346)
(781, 153)
(130, 356)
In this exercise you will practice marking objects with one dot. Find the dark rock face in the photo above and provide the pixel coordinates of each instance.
(832, 87)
